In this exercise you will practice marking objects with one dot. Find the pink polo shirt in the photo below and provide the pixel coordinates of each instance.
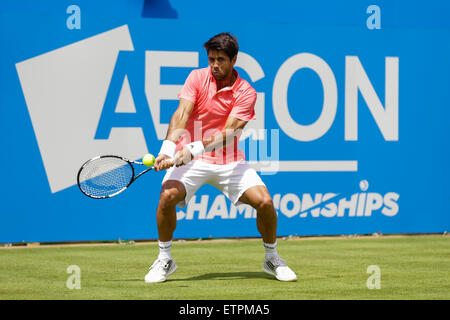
(212, 109)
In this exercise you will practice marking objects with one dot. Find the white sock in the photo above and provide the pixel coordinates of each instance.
(271, 249)
(164, 249)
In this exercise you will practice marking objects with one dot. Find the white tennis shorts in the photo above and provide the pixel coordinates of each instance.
(231, 179)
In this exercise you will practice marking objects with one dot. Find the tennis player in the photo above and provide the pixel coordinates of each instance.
(201, 148)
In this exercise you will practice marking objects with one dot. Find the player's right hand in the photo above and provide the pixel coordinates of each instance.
(162, 162)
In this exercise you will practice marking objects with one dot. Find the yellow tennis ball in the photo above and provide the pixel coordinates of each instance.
(148, 159)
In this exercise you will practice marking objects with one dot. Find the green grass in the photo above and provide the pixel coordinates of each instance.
(412, 267)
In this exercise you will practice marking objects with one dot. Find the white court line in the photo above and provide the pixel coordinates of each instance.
(305, 166)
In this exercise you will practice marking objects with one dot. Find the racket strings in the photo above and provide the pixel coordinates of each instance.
(105, 176)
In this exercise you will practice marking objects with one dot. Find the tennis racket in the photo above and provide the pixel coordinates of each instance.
(107, 176)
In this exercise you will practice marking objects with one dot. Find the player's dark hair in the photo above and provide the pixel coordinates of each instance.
(223, 42)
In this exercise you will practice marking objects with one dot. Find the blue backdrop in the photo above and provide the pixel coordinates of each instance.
(353, 102)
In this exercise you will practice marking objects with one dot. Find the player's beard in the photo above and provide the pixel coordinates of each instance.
(221, 75)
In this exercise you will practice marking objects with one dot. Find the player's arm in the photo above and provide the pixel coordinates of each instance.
(179, 120)
(233, 127)
(177, 126)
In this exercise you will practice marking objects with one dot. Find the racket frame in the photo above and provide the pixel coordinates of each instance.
(133, 177)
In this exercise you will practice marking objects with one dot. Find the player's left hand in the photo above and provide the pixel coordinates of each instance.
(182, 157)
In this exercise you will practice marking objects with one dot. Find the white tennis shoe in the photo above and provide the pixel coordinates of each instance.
(278, 268)
(160, 270)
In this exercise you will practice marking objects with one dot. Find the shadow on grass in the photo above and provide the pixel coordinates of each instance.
(227, 276)
(215, 276)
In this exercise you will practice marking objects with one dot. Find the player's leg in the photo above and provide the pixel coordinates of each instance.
(172, 192)
(241, 184)
(259, 198)
(266, 219)
(179, 185)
